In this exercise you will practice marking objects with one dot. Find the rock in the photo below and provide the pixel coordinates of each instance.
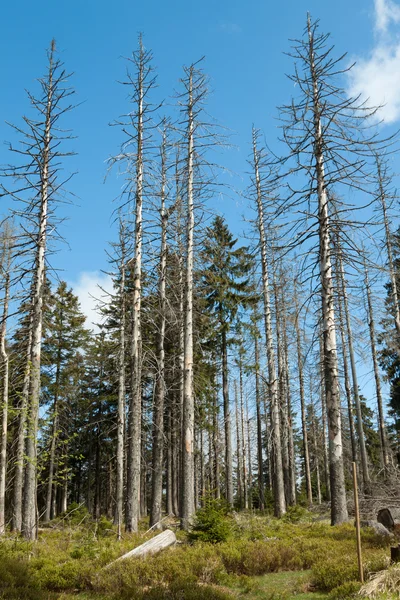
(389, 517)
(378, 528)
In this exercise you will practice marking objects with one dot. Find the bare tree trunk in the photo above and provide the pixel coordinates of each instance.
(389, 250)
(292, 460)
(279, 489)
(323, 417)
(159, 400)
(300, 368)
(338, 489)
(119, 504)
(170, 465)
(243, 438)
(215, 447)
(347, 386)
(314, 431)
(360, 431)
(132, 513)
(227, 423)
(5, 373)
(260, 478)
(282, 394)
(29, 515)
(20, 451)
(249, 466)
(239, 468)
(372, 337)
(188, 506)
(54, 430)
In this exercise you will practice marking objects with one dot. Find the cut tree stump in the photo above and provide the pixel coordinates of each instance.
(159, 542)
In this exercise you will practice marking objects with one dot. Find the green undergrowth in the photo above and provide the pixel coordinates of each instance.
(313, 559)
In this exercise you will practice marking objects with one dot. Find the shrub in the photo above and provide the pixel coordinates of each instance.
(15, 581)
(295, 514)
(345, 591)
(212, 523)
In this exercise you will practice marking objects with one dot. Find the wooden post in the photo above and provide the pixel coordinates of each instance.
(358, 529)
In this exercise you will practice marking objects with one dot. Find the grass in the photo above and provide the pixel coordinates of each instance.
(263, 558)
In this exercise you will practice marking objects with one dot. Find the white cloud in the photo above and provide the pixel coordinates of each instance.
(92, 289)
(377, 77)
(386, 12)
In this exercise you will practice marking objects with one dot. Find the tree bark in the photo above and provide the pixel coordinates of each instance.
(279, 488)
(118, 516)
(188, 506)
(5, 374)
(300, 367)
(260, 473)
(29, 515)
(372, 337)
(360, 430)
(158, 413)
(132, 513)
(338, 490)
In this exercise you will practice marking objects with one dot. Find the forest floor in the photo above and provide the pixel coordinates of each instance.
(300, 556)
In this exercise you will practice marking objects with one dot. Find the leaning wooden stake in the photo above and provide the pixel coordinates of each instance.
(358, 529)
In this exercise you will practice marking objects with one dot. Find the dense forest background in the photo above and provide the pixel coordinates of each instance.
(220, 366)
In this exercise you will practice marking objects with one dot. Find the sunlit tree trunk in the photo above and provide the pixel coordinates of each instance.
(279, 489)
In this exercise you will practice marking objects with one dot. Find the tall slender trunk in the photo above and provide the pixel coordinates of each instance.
(227, 421)
(54, 430)
(188, 507)
(132, 513)
(29, 514)
(327, 480)
(260, 474)
(239, 468)
(158, 413)
(347, 385)
(20, 450)
(282, 393)
(243, 438)
(279, 489)
(372, 337)
(389, 250)
(339, 512)
(215, 446)
(292, 459)
(4, 419)
(360, 430)
(249, 465)
(119, 503)
(300, 368)
(316, 459)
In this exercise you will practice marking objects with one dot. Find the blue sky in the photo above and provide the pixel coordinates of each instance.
(244, 45)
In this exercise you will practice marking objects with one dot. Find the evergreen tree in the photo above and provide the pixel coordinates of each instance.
(227, 287)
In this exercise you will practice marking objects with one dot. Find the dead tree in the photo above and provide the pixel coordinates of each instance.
(329, 142)
(360, 431)
(38, 178)
(5, 274)
(159, 399)
(378, 389)
(300, 369)
(260, 194)
(137, 127)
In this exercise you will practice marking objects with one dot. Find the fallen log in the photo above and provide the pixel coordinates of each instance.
(159, 542)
